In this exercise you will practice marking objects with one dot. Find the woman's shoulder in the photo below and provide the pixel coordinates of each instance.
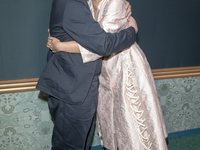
(115, 3)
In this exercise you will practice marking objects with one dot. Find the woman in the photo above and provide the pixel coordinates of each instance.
(129, 113)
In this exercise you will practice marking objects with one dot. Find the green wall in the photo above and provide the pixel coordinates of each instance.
(169, 34)
(23, 37)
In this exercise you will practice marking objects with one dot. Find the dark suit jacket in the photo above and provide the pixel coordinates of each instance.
(65, 76)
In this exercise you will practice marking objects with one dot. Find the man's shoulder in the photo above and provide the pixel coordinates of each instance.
(69, 3)
(77, 2)
(76, 7)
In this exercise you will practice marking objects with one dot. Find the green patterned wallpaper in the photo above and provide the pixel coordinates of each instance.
(180, 101)
(25, 123)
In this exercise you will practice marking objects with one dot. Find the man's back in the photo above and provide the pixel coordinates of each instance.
(56, 20)
(65, 75)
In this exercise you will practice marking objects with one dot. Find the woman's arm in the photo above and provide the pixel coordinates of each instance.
(56, 46)
(71, 47)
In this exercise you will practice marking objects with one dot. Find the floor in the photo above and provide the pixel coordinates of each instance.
(189, 142)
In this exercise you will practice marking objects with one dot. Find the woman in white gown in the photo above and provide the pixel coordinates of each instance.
(129, 114)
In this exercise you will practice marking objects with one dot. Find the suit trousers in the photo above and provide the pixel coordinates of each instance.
(74, 124)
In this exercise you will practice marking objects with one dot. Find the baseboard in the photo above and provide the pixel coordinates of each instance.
(183, 133)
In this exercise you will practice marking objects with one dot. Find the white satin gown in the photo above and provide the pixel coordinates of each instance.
(129, 112)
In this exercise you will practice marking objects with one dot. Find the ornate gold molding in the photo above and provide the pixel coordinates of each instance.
(180, 72)
(22, 85)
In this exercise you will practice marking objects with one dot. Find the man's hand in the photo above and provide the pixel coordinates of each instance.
(133, 23)
(128, 10)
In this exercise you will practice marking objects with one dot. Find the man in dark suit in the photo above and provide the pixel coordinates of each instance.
(72, 85)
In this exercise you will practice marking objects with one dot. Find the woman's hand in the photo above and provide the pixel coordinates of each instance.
(128, 10)
(56, 46)
(53, 43)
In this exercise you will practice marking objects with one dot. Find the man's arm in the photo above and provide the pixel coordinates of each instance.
(80, 25)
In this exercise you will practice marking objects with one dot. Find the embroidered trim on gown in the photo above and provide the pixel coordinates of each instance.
(129, 112)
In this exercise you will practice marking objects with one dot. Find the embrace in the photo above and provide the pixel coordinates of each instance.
(94, 64)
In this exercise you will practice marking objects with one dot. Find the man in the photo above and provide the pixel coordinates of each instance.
(72, 85)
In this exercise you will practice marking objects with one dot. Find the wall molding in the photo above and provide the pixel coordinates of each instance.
(22, 85)
(180, 72)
